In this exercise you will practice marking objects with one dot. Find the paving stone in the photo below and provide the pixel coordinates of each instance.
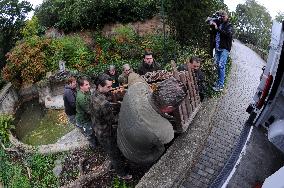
(230, 115)
(226, 124)
(209, 170)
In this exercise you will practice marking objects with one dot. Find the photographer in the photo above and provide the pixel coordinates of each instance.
(222, 36)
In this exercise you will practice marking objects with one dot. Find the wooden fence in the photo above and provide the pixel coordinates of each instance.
(190, 106)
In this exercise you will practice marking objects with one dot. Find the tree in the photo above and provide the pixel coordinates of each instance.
(12, 18)
(280, 17)
(72, 15)
(32, 28)
(253, 24)
(187, 17)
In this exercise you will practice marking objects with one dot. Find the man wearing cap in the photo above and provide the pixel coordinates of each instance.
(143, 129)
(223, 44)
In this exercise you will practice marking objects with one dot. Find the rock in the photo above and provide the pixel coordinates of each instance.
(55, 102)
(58, 168)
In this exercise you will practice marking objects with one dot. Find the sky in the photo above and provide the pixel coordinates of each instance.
(273, 6)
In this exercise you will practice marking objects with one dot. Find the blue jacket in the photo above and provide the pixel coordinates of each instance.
(69, 99)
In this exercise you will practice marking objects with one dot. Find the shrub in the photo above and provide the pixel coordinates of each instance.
(26, 61)
(14, 170)
(72, 50)
(30, 59)
(41, 168)
(32, 28)
(6, 124)
(12, 174)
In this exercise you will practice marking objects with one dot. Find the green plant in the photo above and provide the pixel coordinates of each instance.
(71, 49)
(116, 183)
(253, 24)
(32, 28)
(26, 61)
(27, 170)
(6, 124)
(30, 59)
(13, 16)
(187, 20)
(88, 14)
(12, 174)
(41, 168)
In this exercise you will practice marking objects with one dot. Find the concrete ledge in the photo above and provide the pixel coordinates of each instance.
(180, 157)
(71, 141)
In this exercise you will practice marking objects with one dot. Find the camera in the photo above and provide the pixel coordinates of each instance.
(216, 17)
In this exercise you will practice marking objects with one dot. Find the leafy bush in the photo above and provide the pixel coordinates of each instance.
(187, 19)
(116, 183)
(26, 61)
(72, 50)
(6, 124)
(41, 167)
(253, 24)
(14, 170)
(29, 60)
(32, 28)
(123, 46)
(12, 174)
(126, 46)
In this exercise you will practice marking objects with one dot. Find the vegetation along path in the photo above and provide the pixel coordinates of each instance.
(229, 117)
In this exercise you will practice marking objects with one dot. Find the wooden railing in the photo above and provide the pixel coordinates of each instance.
(190, 106)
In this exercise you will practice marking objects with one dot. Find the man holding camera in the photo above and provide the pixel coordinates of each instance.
(223, 43)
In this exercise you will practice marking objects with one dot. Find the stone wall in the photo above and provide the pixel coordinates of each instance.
(42, 90)
(9, 99)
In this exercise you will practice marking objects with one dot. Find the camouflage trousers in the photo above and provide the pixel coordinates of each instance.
(87, 130)
(117, 159)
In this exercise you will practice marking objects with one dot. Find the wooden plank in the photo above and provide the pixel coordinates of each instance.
(183, 104)
(187, 97)
(191, 89)
(194, 85)
(190, 118)
(176, 75)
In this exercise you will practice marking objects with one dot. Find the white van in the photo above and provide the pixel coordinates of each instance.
(267, 109)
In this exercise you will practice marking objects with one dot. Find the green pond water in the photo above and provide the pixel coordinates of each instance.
(36, 125)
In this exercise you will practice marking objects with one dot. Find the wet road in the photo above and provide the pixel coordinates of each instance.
(229, 117)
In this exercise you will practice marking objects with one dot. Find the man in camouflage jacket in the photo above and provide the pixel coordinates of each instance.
(104, 121)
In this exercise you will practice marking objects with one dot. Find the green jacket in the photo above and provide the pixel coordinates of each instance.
(83, 107)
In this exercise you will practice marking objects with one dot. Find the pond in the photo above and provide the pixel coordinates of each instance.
(36, 125)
